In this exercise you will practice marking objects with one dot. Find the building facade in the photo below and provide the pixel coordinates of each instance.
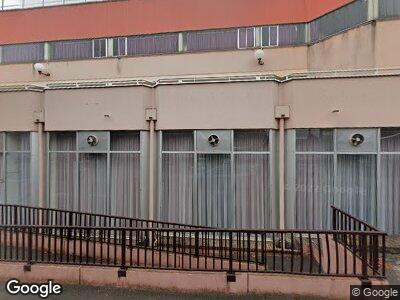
(159, 110)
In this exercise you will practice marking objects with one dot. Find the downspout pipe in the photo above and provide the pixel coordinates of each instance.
(39, 120)
(151, 171)
(41, 164)
(282, 113)
(151, 117)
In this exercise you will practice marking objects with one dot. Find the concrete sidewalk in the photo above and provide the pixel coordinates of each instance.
(393, 259)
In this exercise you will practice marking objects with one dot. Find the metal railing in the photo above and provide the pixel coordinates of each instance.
(29, 215)
(349, 253)
(368, 248)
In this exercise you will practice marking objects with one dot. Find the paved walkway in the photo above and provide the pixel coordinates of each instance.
(106, 293)
(393, 259)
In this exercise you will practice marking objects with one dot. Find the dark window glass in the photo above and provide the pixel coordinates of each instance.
(152, 44)
(212, 40)
(100, 48)
(22, 53)
(71, 49)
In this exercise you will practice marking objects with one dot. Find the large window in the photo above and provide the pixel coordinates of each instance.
(314, 177)
(100, 177)
(66, 50)
(16, 167)
(389, 216)
(331, 169)
(227, 185)
(224, 39)
(22, 53)
(152, 44)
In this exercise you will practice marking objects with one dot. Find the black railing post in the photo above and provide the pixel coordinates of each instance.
(196, 243)
(15, 215)
(231, 277)
(69, 231)
(333, 218)
(383, 255)
(122, 269)
(364, 261)
(27, 267)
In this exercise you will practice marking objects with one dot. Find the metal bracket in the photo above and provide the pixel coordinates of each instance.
(151, 114)
(38, 116)
(121, 272)
(230, 277)
(28, 267)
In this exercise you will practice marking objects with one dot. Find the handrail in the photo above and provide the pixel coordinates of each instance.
(20, 213)
(339, 252)
(342, 220)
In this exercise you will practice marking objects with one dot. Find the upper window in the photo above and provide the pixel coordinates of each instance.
(119, 46)
(269, 36)
(314, 140)
(100, 48)
(22, 53)
(246, 38)
(390, 139)
(225, 39)
(80, 49)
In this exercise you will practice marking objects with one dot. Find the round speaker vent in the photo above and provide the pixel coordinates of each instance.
(213, 140)
(92, 140)
(357, 139)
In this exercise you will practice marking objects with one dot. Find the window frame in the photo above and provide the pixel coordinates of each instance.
(94, 47)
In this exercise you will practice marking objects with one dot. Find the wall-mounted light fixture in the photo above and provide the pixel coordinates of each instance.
(41, 69)
(260, 55)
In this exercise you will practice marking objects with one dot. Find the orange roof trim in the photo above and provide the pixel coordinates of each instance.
(131, 17)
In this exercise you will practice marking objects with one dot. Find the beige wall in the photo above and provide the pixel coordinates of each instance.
(374, 45)
(351, 102)
(353, 49)
(279, 60)
(85, 109)
(228, 105)
(17, 110)
(362, 102)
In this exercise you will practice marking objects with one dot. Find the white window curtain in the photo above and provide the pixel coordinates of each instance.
(390, 180)
(93, 183)
(177, 188)
(253, 205)
(63, 181)
(84, 184)
(314, 190)
(206, 189)
(356, 186)
(125, 175)
(177, 178)
(314, 178)
(214, 197)
(62, 172)
(18, 169)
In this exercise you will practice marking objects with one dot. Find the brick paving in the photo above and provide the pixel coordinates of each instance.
(393, 259)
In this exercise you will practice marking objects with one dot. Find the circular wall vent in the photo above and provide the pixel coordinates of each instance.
(213, 140)
(92, 140)
(356, 139)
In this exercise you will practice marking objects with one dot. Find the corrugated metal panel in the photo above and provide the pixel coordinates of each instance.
(389, 8)
(344, 18)
(22, 53)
